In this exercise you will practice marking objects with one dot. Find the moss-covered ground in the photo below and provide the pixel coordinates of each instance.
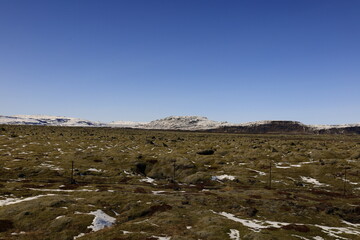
(177, 185)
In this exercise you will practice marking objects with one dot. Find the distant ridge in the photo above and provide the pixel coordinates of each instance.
(48, 121)
(189, 123)
(288, 127)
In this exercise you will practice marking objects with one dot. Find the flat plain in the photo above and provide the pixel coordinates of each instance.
(111, 183)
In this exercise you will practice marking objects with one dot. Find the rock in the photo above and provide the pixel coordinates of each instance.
(206, 152)
(6, 225)
(60, 224)
(199, 177)
(251, 211)
(296, 227)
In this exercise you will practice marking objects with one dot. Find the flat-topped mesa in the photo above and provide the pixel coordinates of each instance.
(267, 126)
(336, 129)
(288, 127)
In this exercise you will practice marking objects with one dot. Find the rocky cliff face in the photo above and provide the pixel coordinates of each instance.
(266, 127)
(287, 127)
(342, 130)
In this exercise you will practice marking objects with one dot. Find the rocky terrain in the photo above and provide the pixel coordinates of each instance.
(189, 123)
(287, 127)
(147, 184)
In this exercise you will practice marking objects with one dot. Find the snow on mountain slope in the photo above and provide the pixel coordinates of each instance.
(184, 123)
(192, 123)
(47, 120)
(325, 127)
(127, 124)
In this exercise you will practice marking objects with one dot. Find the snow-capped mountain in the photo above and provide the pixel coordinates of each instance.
(47, 120)
(173, 123)
(184, 123)
(127, 124)
(188, 123)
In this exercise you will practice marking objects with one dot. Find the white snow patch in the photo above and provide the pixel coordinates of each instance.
(161, 238)
(333, 231)
(148, 180)
(10, 201)
(158, 192)
(223, 177)
(94, 170)
(234, 234)
(101, 220)
(257, 225)
(324, 127)
(80, 235)
(303, 238)
(286, 165)
(313, 181)
(128, 173)
(259, 172)
(52, 167)
(19, 233)
(318, 238)
(351, 224)
(254, 225)
(127, 124)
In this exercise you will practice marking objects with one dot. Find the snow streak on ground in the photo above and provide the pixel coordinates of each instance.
(161, 238)
(52, 167)
(257, 225)
(60, 190)
(313, 181)
(148, 180)
(10, 201)
(223, 177)
(157, 192)
(257, 171)
(318, 238)
(94, 170)
(254, 225)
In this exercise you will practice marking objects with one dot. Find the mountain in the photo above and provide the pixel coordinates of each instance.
(184, 123)
(48, 121)
(192, 123)
(265, 127)
(189, 123)
(288, 127)
(127, 124)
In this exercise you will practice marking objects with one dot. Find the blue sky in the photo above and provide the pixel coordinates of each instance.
(235, 61)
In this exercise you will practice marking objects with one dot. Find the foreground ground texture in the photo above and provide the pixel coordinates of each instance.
(137, 184)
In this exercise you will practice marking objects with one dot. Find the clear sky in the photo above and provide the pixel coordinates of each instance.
(235, 61)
